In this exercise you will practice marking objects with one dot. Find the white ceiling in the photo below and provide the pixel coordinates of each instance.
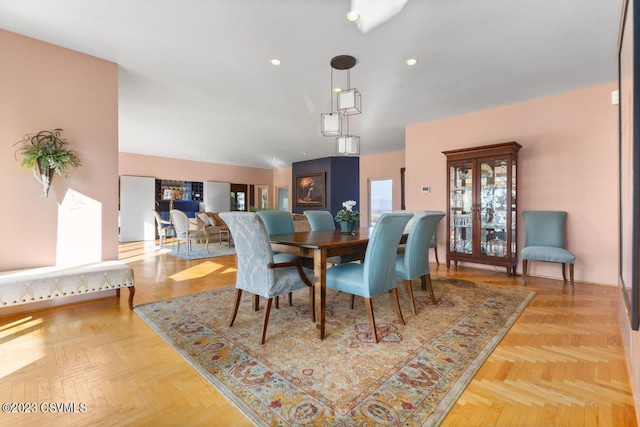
(195, 80)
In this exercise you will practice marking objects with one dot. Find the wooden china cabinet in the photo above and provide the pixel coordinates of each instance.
(482, 205)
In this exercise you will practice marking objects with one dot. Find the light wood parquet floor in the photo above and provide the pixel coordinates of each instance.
(561, 364)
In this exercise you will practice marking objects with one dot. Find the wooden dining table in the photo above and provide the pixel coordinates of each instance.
(320, 245)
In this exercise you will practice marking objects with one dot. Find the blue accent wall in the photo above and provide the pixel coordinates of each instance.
(342, 182)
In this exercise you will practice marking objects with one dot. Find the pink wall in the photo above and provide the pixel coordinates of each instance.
(189, 170)
(379, 166)
(42, 87)
(568, 162)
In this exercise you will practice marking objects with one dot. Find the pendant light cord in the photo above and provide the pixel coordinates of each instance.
(331, 91)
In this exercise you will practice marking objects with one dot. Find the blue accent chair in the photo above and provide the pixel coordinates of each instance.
(323, 221)
(545, 241)
(434, 245)
(258, 271)
(414, 262)
(378, 273)
(277, 222)
(320, 220)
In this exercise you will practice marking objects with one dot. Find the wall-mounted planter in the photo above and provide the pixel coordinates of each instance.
(50, 153)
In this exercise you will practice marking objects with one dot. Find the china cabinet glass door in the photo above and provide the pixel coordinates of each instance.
(493, 210)
(461, 207)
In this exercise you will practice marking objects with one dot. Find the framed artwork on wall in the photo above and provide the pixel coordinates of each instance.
(310, 189)
(629, 157)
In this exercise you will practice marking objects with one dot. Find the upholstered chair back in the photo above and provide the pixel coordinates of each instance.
(545, 228)
(277, 222)
(180, 222)
(320, 220)
(253, 252)
(416, 256)
(380, 257)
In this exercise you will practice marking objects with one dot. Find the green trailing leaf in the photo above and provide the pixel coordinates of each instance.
(48, 150)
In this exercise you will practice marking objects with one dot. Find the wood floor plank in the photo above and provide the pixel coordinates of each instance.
(562, 363)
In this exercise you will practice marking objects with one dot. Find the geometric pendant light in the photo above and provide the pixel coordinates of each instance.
(331, 124)
(349, 102)
(348, 145)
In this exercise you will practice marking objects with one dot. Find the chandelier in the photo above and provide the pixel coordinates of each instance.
(349, 102)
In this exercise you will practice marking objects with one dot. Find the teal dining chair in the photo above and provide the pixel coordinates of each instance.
(414, 262)
(277, 222)
(281, 222)
(320, 220)
(434, 245)
(377, 274)
(545, 241)
(258, 272)
(323, 221)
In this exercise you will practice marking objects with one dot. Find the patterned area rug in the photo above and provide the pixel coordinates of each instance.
(413, 376)
(198, 250)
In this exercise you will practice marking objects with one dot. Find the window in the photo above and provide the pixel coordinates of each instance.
(380, 198)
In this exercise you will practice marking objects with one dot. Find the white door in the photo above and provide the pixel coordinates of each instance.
(283, 198)
(216, 196)
(137, 203)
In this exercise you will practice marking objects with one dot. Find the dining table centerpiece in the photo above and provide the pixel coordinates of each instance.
(347, 216)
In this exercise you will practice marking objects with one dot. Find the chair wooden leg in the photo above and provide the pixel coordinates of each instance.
(426, 284)
(396, 304)
(267, 309)
(290, 299)
(312, 304)
(435, 252)
(353, 300)
(256, 302)
(525, 264)
(206, 244)
(278, 302)
(372, 320)
(235, 306)
(571, 275)
(412, 302)
(564, 274)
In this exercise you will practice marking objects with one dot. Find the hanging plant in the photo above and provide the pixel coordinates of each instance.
(50, 153)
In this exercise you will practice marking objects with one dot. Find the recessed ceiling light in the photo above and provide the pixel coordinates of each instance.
(275, 62)
(411, 61)
(337, 89)
(352, 16)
